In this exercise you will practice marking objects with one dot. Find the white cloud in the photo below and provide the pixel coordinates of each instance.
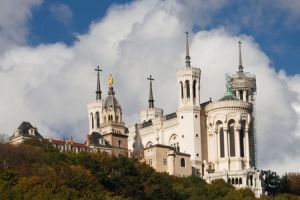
(50, 85)
(62, 13)
(14, 15)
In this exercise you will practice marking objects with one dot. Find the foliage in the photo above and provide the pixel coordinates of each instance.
(36, 171)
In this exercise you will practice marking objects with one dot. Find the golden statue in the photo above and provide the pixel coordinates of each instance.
(110, 81)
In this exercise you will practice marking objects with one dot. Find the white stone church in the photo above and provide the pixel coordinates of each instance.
(214, 140)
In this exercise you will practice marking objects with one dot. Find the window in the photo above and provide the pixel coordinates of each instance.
(181, 89)
(231, 139)
(242, 135)
(187, 87)
(182, 162)
(165, 161)
(240, 181)
(92, 119)
(194, 88)
(119, 143)
(222, 150)
(97, 120)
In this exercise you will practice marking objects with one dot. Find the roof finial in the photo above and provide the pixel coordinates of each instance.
(151, 100)
(111, 85)
(241, 69)
(187, 57)
(98, 91)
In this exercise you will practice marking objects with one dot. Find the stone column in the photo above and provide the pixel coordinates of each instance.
(237, 94)
(216, 145)
(226, 143)
(244, 95)
(247, 148)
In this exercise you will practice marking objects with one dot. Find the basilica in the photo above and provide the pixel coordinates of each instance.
(213, 140)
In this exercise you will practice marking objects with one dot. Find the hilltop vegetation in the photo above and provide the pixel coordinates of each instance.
(36, 170)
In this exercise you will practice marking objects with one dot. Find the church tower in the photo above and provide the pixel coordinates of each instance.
(95, 107)
(151, 112)
(244, 88)
(188, 111)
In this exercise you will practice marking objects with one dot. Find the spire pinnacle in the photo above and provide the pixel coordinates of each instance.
(151, 100)
(187, 57)
(98, 91)
(241, 68)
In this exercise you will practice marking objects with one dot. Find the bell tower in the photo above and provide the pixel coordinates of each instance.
(95, 107)
(188, 111)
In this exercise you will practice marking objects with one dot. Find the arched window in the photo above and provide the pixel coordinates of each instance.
(97, 120)
(242, 135)
(232, 181)
(187, 87)
(182, 162)
(240, 181)
(228, 180)
(222, 150)
(117, 118)
(119, 143)
(236, 181)
(181, 89)
(92, 119)
(194, 88)
(231, 138)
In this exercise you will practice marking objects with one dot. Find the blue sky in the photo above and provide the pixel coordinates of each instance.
(273, 27)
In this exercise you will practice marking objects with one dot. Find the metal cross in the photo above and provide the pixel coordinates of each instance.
(98, 69)
(150, 78)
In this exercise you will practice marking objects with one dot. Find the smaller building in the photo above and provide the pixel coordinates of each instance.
(164, 158)
(24, 132)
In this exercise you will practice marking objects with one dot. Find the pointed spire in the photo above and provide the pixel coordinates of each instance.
(241, 68)
(187, 57)
(98, 91)
(151, 100)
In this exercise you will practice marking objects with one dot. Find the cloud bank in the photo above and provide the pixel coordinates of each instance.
(50, 85)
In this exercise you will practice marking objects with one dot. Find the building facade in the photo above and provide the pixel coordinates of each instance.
(216, 138)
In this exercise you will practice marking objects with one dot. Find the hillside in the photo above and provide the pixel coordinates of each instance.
(36, 170)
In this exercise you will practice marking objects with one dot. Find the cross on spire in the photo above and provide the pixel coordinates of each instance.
(187, 57)
(98, 91)
(151, 100)
(241, 68)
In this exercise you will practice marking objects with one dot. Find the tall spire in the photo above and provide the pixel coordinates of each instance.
(98, 91)
(187, 57)
(151, 100)
(241, 69)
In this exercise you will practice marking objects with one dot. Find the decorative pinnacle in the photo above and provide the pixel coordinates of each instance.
(151, 100)
(241, 69)
(187, 57)
(228, 85)
(98, 91)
